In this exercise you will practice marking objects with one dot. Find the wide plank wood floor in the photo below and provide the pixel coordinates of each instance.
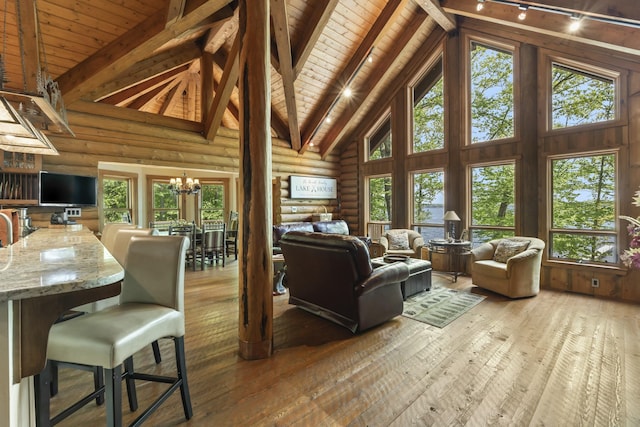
(558, 359)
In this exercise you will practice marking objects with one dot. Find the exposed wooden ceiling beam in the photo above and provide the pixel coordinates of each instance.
(380, 26)
(122, 97)
(171, 90)
(175, 10)
(337, 130)
(312, 31)
(223, 91)
(444, 19)
(220, 33)
(128, 49)
(283, 42)
(610, 36)
(147, 96)
(207, 84)
(157, 64)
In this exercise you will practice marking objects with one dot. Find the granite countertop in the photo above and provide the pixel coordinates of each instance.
(52, 261)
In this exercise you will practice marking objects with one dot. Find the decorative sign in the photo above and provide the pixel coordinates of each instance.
(312, 187)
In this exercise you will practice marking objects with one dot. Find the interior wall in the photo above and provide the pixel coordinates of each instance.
(147, 145)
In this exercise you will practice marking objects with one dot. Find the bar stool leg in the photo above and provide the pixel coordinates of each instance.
(42, 385)
(113, 396)
(181, 366)
(156, 352)
(131, 384)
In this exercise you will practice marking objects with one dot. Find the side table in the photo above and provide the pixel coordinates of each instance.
(455, 251)
(376, 250)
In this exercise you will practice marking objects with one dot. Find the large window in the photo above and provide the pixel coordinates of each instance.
(379, 141)
(117, 199)
(492, 202)
(428, 111)
(164, 202)
(380, 199)
(580, 97)
(492, 93)
(212, 201)
(428, 204)
(583, 209)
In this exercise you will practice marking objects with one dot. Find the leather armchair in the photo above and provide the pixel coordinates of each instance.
(518, 277)
(331, 276)
(414, 240)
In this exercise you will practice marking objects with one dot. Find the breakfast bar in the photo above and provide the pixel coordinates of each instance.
(41, 276)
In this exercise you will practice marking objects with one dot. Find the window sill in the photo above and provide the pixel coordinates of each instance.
(614, 269)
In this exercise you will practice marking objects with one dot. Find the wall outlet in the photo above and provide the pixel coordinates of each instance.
(73, 212)
(595, 283)
(294, 209)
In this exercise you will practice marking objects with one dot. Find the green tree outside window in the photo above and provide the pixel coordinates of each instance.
(584, 209)
(492, 91)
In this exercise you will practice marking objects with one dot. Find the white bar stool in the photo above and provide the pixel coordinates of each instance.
(151, 307)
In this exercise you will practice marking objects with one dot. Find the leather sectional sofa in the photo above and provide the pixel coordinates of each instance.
(331, 276)
(336, 226)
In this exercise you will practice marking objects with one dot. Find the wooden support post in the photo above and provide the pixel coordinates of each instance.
(255, 252)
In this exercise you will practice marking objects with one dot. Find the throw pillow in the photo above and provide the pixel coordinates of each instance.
(509, 247)
(398, 241)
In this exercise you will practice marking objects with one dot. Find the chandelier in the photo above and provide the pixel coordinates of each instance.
(186, 186)
(24, 114)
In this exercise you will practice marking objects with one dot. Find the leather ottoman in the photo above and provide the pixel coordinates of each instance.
(419, 276)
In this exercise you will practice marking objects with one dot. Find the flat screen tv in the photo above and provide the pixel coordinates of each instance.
(58, 189)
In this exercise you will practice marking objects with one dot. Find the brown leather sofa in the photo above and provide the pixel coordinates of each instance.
(336, 226)
(331, 276)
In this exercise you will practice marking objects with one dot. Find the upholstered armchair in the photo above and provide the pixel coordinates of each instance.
(509, 266)
(401, 241)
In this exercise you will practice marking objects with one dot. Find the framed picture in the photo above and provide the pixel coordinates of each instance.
(312, 187)
(464, 236)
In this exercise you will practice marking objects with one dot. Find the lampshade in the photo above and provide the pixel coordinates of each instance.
(451, 216)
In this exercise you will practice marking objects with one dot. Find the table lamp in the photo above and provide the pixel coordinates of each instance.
(451, 216)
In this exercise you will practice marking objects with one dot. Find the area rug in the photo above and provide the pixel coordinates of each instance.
(439, 306)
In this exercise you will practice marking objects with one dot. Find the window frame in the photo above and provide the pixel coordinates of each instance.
(428, 70)
(132, 197)
(498, 44)
(367, 180)
(511, 231)
(225, 197)
(382, 121)
(414, 225)
(618, 230)
(617, 75)
(151, 210)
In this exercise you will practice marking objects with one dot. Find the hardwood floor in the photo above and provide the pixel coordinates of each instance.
(556, 359)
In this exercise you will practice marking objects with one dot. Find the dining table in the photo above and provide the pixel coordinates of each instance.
(43, 275)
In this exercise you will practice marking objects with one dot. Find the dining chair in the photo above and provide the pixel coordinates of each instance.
(161, 226)
(231, 240)
(151, 307)
(214, 245)
(188, 230)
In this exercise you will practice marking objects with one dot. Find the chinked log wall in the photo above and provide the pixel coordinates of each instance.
(112, 134)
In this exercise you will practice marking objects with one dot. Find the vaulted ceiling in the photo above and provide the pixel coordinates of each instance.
(179, 58)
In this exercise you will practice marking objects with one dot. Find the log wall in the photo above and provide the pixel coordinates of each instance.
(103, 133)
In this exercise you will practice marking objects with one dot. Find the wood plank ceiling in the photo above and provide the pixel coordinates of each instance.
(178, 58)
